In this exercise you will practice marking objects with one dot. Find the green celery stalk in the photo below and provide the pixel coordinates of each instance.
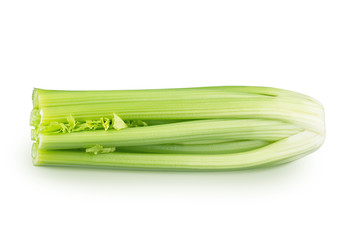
(240, 129)
(284, 150)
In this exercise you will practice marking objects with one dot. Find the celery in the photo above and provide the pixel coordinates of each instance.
(210, 128)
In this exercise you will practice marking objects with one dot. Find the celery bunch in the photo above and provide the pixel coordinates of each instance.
(208, 128)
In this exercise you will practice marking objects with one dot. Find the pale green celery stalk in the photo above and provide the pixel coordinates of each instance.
(51, 98)
(239, 129)
(218, 148)
(304, 114)
(284, 150)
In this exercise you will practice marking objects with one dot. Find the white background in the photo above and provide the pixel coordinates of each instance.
(312, 47)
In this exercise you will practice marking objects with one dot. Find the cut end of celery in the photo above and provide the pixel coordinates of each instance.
(35, 117)
(34, 153)
(36, 98)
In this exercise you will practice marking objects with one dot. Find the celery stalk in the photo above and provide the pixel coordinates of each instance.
(287, 149)
(241, 129)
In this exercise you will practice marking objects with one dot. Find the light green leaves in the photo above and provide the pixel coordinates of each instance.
(71, 121)
(105, 123)
(99, 149)
(136, 123)
(76, 126)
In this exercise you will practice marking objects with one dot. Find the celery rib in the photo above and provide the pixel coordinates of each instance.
(282, 150)
(241, 129)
